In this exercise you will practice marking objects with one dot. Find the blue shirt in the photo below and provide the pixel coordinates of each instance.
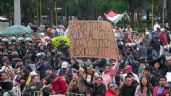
(160, 90)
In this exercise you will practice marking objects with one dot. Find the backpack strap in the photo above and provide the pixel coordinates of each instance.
(92, 76)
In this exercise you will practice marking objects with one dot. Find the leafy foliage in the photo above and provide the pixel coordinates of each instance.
(83, 9)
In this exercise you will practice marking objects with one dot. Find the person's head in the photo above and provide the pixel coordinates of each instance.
(64, 65)
(131, 76)
(10, 72)
(48, 72)
(107, 68)
(5, 58)
(53, 77)
(128, 69)
(117, 91)
(62, 42)
(33, 74)
(111, 87)
(53, 51)
(158, 29)
(157, 65)
(128, 81)
(36, 79)
(147, 72)
(25, 72)
(99, 80)
(4, 76)
(162, 81)
(19, 62)
(75, 77)
(65, 78)
(143, 81)
(7, 85)
(89, 69)
(1, 46)
(41, 47)
(6, 63)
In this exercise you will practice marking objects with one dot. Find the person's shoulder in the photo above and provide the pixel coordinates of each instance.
(6, 94)
(124, 74)
(135, 74)
(96, 74)
(124, 86)
(103, 85)
(9, 93)
(156, 87)
(39, 83)
(138, 87)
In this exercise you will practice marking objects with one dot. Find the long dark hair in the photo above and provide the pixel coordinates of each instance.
(149, 87)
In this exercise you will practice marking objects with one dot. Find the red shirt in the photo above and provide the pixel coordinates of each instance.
(110, 93)
(163, 37)
(59, 86)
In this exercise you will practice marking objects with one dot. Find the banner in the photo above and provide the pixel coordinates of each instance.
(92, 39)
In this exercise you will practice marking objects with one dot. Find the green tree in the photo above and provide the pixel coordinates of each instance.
(168, 11)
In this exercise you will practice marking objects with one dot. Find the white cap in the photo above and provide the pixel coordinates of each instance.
(147, 33)
(33, 73)
(13, 38)
(20, 38)
(64, 64)
(162, 29)
(28, 39)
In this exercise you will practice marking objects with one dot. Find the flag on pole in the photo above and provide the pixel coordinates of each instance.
(113, 17)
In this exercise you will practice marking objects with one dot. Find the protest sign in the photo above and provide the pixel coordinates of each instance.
(92, 39)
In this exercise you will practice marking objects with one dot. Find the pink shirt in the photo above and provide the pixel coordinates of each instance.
(107, 78)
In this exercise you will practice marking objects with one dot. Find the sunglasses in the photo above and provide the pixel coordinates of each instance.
(111, 86)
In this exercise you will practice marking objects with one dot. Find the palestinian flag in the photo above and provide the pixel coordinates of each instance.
(113, 17)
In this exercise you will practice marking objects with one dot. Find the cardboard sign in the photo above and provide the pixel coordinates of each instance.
(92, 39)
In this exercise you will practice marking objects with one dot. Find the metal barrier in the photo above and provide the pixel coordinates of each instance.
(38, 93)
(58, 95)
(76, 94)
(71, 94)
(17, 91)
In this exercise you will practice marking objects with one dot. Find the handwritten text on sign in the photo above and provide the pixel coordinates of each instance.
(92, 39)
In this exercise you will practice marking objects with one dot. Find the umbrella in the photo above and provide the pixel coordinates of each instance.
(56, 40)
(16, 29)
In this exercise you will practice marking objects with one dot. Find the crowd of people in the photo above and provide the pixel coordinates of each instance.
(32, 66)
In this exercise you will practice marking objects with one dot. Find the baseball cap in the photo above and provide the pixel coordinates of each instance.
(64, 64)
(128, 67)
(33, 73)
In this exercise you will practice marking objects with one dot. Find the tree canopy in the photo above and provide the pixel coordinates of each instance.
(83, 9)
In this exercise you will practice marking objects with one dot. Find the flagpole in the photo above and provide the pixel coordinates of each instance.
(17, 12)
(152, 14)
(40, 12)
(163, 12)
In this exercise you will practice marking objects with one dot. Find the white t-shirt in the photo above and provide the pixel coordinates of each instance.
(135, 76)
(156, 26)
